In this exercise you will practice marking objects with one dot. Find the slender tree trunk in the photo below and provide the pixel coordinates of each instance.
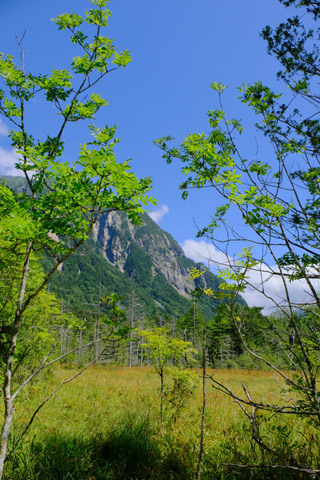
(8, 417)
(61, 340)
(62, 329)
(97, 329)
(161, 397)
(116, 351)
(131, 332)
(80, 345)
(194, 325)
(7, 385)
(204, 403)
(185, 339)
(141, 348)
(67, 338)
(130, 349)
(96, 337)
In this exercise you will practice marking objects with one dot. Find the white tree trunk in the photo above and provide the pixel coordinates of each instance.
(7, 386)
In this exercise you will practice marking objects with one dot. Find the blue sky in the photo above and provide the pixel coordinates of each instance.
(178, 47)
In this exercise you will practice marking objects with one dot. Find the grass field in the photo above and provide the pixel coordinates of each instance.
(105, 425)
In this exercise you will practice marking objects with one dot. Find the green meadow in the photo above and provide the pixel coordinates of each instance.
(105, 425)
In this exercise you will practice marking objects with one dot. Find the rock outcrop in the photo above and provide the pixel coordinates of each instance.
(116, 234)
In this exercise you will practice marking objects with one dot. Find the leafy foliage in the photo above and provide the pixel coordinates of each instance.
(55, 215)
(278, 200)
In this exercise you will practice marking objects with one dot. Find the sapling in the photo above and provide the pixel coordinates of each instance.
(161, 349)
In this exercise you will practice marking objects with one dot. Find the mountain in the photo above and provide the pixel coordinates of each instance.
(125, 258)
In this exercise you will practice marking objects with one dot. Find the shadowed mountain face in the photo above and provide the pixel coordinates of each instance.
(125, 258)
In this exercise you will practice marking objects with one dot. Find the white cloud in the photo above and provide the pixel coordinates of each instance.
(8, 158)
(157, 215)
(265, 278)
(3, 128)
(201, 251)
(261, 278)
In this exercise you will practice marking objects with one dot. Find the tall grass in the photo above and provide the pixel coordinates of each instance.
(106, 426)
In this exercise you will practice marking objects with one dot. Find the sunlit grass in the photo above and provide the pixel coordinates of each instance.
(106, 425)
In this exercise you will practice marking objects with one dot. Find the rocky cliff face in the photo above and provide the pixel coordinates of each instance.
(116, 235)
(125, 258)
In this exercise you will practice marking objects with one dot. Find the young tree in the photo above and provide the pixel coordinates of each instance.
(163, 349)
(278, 200)
(64, 198)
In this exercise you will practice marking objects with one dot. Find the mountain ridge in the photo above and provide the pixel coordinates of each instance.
(124, 258)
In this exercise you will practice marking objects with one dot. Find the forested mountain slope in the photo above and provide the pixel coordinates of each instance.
(123, 258)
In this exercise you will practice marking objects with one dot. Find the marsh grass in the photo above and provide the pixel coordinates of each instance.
(106, 426)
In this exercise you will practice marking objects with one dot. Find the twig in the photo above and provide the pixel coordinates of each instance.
(289, 467)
